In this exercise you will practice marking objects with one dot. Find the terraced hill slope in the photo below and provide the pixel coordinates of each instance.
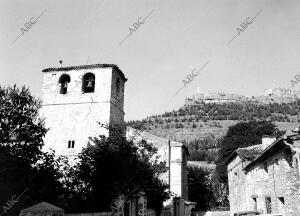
(201, 122)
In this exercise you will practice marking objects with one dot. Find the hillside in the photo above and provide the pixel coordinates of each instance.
(200, 123)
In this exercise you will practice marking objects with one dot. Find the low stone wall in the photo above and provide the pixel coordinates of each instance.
(214, 213)
(150, 212)
(91, 214)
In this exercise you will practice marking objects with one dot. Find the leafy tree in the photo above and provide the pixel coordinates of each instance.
(242, 134)
(200, 188)
(22, 131)
(220, 193)
(24, 169)
(111, 166)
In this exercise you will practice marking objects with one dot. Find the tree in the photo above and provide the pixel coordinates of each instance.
(25, 169)
(111, 166)
(242, 134)
(200, 188)
(220, 192)
(22, 131)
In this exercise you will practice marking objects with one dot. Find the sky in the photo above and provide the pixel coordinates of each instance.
(174, 38)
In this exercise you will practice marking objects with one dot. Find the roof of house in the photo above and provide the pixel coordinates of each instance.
(250, 152)
(285, 142)
(271, 149)
(246, 153)
(43, 206)
(257, 154)
(81, 67)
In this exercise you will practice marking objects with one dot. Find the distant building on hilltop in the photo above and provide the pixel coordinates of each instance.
(272, 95)
(214, 98)
(266, 177)
(282, 92)
(75, 98)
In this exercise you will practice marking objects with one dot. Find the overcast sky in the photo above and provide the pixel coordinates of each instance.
(175, 38)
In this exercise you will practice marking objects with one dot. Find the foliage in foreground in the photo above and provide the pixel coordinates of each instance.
(111, 166)
(200, 187)
(25, 171)
(108, 167)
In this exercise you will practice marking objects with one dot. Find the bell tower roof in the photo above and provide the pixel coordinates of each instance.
(91, 66)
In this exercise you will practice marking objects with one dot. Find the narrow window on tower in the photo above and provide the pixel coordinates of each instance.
(71, 144)
(63, 81)
(88, 83)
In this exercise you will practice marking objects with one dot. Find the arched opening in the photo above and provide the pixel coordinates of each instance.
(64, 80)
(88, 83)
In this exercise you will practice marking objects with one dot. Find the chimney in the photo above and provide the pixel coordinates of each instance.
(60, 63)
(267, 140)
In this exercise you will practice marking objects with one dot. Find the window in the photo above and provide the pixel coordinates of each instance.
(265, 167)
(268, 205)
(88, 83)
(281, 205)
(235, 178)
(63, 81)
(118, 88)
(255, 203)
(297, 169)
(281, 199)
(71, 144)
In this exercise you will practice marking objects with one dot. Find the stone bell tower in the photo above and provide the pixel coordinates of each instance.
(75, 98)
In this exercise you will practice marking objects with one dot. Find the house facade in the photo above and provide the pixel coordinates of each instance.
(265, 177)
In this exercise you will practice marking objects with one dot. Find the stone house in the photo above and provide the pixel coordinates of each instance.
(265, 177)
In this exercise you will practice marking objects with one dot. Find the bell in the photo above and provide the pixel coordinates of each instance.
(90, 84)
(66, 84)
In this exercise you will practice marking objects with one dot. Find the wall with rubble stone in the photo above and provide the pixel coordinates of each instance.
(275, 178)
(237, 185)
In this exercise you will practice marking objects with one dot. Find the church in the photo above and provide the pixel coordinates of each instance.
(76, 98)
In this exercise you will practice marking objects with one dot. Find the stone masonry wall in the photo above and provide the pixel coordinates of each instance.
(237, 185)
(275, 178)
(117, 100)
